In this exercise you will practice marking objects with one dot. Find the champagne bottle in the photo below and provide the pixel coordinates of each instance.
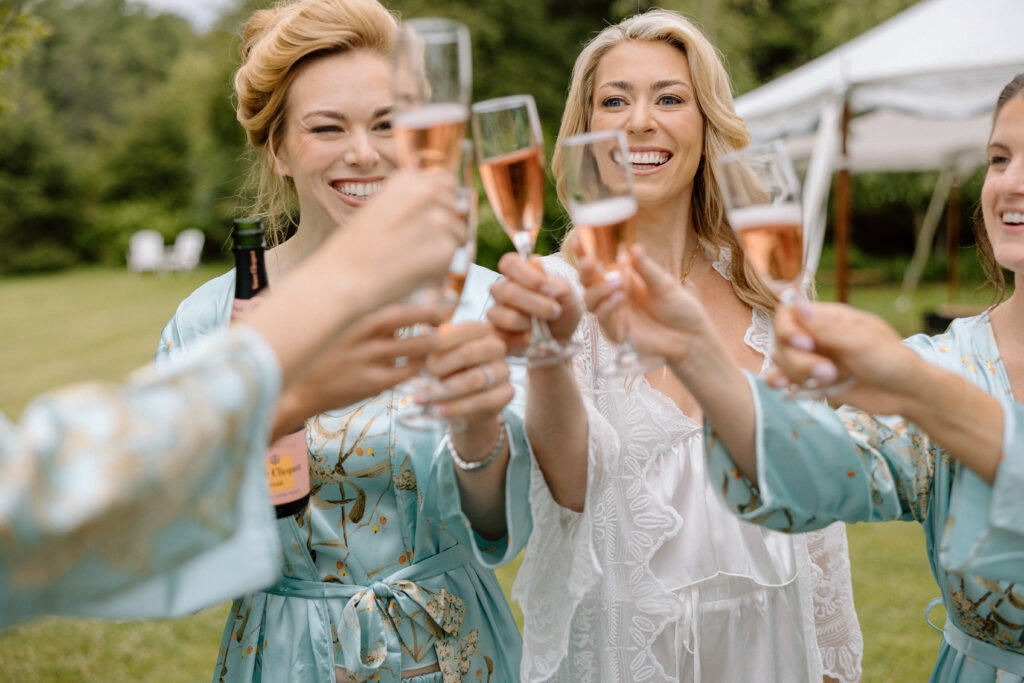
(286, 460)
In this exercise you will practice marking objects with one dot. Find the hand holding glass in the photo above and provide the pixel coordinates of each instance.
(599, 185)
(511, 150)
(431, 81)
(762, 200)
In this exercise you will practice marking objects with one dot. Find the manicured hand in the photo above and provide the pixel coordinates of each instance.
(470, 363)
(360, 362)
(663, 318)
(525, 291)
(831, 342)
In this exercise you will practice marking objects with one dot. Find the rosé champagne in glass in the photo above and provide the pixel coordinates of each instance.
(761, 193)
(606, 228)
(601, 203)
(429, 136)
(510, 146)
(772, 239)
(431, 82)
(515, 187)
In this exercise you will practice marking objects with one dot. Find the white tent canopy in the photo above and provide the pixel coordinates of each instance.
(920, 90)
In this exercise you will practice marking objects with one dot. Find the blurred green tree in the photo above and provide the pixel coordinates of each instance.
(121, 118)
(41, 192)
(18, 30)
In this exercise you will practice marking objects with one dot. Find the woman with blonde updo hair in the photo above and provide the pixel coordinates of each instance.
(388, 571)
(657, 581)
(275, 42)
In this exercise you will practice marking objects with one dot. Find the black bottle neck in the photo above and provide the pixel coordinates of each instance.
(250, 272)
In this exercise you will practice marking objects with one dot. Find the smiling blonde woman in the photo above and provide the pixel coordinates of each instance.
(635, 571)
(387, 572)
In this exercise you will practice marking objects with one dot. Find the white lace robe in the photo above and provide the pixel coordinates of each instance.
(655, 580)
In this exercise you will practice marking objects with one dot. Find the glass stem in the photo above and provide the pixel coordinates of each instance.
(523, 243)
(790, 296)
(540, 333)
(621, 331)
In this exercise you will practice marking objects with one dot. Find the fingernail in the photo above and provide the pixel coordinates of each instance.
(547, 291)
(613, 277)
(616, 298)
(556, 311)
(779, 382)
(805, 309)
(825, 372)
(801, 341)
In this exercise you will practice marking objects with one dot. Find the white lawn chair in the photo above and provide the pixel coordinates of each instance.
(146, 251)
(188, 247)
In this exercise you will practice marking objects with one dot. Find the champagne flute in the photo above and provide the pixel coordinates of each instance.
(432, 77)
(511, 150)
(431, 80)
(761, 192)
(599, 185)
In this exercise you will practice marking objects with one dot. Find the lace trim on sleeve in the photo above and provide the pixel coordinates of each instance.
(838, 630)
(561, 544)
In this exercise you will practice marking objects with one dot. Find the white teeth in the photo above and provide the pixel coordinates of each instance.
(359, 189)
(1014, 217)
(648, 158)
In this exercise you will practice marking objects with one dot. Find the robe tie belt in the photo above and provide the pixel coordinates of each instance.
(990, 654)
(369, 633)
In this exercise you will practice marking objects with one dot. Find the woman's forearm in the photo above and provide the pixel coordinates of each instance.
(962, 418)
(556, 425)
(482, 491)
(289, 310)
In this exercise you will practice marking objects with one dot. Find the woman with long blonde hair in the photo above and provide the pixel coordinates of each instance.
(634, 570)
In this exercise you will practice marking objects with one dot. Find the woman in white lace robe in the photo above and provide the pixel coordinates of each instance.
(634, 570)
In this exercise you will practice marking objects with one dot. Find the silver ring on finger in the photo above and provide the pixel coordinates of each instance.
(489, 379)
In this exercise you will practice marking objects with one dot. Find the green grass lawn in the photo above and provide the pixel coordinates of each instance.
(101, 323)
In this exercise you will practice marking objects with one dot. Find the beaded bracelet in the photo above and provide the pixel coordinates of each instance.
(466, 466)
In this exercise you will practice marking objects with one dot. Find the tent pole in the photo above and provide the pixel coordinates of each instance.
(925, 239)
(953, 242)
(843, 211)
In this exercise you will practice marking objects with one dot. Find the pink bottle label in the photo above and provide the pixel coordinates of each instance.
(288, 468)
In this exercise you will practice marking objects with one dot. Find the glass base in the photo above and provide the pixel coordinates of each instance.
(812, 390)
(429, 421)
(541, 354)
(630, 363)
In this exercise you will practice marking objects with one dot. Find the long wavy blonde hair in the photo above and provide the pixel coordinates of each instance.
(276, 42)
(724, 130)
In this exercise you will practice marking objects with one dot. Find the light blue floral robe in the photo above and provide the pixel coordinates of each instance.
(142, 499)
(816, 465)
(384, 533)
